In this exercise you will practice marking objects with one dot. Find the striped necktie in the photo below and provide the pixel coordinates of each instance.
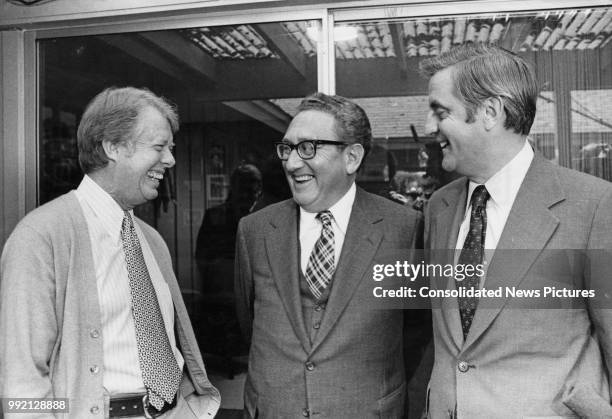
(321, 264)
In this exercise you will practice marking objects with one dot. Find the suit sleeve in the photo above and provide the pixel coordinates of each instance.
(243, 284)
(598, 276)
(417, 322)
(28, 323)
(418, 236)
(426, 228)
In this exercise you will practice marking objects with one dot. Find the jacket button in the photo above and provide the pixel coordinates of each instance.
(94, 369)
(309, 366)
(305, 413)
(463, 366)
(316, 325)
(94, 410)
(94, 333)
(318, 308)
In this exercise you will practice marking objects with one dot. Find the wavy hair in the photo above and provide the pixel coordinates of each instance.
(113, 116)
(481, 72)
(353, 125)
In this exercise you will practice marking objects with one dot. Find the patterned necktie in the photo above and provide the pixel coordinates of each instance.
(321, 264)
(160, 371)
(472, 254)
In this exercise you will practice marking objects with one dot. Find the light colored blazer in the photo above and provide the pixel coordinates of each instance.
(50, 327)
(354, 367)
(525, 362)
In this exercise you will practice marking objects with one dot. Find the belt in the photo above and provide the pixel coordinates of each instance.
(137, 406)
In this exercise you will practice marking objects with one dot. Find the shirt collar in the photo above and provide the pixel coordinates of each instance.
(104, 207)
(341, 210)
(503, 186)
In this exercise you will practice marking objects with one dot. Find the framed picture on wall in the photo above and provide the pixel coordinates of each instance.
(216, 188)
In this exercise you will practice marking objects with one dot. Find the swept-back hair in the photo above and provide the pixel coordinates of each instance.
(113, 116)
(482, 71)
(352, 123)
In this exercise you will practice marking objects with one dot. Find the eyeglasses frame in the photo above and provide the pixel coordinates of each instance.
(316, 144)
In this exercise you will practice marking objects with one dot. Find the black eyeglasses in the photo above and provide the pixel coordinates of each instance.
(306, 149)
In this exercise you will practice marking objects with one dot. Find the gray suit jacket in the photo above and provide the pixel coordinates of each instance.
(354, 367)
(526, 362)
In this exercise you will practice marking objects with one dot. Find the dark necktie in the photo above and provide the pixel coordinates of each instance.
(321, 264)
(472, 254)
(160, 371)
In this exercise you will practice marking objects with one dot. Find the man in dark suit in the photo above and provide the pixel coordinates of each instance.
(510, 357)
(319, 347)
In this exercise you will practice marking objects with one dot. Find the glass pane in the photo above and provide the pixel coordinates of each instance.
(592, 132)
(570, 50)
(226, 82)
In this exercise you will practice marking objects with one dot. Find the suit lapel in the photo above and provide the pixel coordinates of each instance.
(529, 227)
(360, 245)
(446, 227)
(282, 247)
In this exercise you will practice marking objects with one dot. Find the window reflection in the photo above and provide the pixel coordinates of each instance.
(592, 132)
(570, 50)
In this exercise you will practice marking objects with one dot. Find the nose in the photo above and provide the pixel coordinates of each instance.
(294, 161)
(431, 124)
(168, 159)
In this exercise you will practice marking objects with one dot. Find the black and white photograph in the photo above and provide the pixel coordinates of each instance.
(276, 209)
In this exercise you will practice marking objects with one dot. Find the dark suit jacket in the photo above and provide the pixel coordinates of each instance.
(354, 367)
(525, 360)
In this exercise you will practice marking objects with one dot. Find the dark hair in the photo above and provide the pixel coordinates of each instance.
(245, 176)
(113, 116)
(483, 71)
(353, 125)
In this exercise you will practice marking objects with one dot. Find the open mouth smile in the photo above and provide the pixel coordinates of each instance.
(302, 178)
(158, 176)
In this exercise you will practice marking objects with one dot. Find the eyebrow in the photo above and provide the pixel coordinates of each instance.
(299, 140)
(163, 143)
(435, 105)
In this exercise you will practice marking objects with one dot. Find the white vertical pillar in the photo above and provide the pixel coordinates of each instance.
(12, 131)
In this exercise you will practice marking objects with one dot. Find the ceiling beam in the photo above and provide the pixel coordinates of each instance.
(263, 111)
(140, 50)
(281, 42)
(183, 51)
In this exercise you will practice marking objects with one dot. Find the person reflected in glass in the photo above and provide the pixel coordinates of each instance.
(412, 189)
(218, 330)
(274, 186)
(217, 235)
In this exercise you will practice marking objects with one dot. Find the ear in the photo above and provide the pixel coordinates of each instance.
(354, 155)
(494, 113)
(111, 150)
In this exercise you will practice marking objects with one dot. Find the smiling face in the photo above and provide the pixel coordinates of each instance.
(464, 145)
(318, 183)
(139, 166)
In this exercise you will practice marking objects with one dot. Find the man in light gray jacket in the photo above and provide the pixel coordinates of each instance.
(90, 309)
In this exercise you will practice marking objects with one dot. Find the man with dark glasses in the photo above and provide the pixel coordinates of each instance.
(303, 278)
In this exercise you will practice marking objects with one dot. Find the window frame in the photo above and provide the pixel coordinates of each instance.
(20, 63)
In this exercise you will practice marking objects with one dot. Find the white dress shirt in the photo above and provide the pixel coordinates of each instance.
(310, 227)
(122, 374)
(503, 187)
